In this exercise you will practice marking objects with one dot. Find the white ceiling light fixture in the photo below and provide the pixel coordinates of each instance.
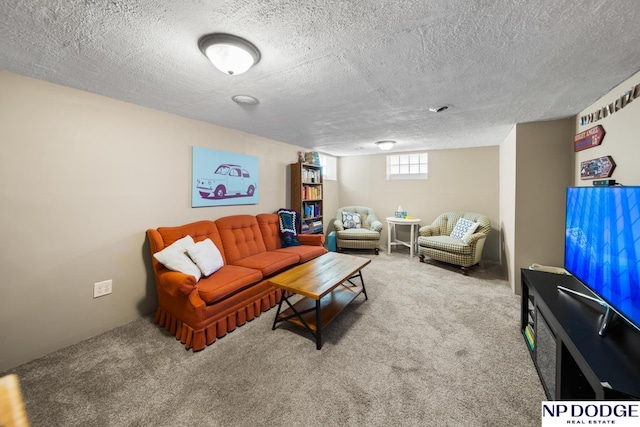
(385, 145)
(228, 53)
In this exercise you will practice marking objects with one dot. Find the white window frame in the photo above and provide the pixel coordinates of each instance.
(408, 166)
(329, 167)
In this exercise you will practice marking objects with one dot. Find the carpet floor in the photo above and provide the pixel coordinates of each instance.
(430, 347)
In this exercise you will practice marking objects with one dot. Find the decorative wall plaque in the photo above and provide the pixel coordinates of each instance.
(602, 167)
(588, 138)
(615, 106)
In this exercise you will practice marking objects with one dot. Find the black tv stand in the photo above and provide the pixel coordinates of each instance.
(608, 315)
(572, 360)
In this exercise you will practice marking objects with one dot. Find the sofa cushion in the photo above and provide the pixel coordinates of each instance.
(351, 220)
(445, 243)
(311, 245)
(269, 262)
(270, 228)
(225, 282)
(358, 234)
(288, 223)
(206, 256)
(175, 257)
(199, 230)
(463, 229)
(240, 236)
(305, 252)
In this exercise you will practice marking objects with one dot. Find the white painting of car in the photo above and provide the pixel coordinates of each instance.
(228, 181)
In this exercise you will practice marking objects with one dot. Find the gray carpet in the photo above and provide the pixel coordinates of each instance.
(430, 347)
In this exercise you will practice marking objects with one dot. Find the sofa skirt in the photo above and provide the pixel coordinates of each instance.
(198, 336)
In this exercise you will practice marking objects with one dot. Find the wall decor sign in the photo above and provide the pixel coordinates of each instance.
(589, 138)
(220, 178)
(602, 167)
(615, 106)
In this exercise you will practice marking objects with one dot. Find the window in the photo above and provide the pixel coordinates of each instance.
(329, 167)
(408, 166)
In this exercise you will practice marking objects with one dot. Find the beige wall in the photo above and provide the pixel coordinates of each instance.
(621, 140)
(82, 176)
(330, 203)
(538, 162)
(460, 179)
(543, 172)
(81, 179)
(535, 166)
(508, 203)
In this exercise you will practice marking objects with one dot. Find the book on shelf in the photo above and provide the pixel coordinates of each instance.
(311, 227)
(311, 176)
(528, 333)
(309, 211)
(311, 193)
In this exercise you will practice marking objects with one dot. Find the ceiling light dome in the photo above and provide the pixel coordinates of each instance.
(228, 53)
(385, 145)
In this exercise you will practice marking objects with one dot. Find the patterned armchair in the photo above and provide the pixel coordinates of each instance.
(463, 247)
(355, 232)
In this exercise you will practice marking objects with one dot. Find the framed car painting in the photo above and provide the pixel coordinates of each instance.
(220, 178)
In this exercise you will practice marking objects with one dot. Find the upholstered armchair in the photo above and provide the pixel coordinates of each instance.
(452, 242)
(357, 227)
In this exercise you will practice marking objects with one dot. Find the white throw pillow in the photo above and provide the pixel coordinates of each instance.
(175, 257)
(464, 229)
(206, 256)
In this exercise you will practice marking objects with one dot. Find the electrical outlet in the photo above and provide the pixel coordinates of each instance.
(102, 288)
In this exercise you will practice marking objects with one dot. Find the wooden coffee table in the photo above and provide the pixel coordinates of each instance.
(327, 287)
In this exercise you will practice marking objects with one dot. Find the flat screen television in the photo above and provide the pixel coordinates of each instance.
(602, 247)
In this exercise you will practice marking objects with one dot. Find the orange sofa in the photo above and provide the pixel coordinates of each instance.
(199, 312)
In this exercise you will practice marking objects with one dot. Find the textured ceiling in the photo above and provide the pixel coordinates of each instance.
(338, 75)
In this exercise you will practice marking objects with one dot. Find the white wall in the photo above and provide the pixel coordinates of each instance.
(81, 178)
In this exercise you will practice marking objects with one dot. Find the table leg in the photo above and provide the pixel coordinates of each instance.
(318, 326)
(411, 243)
(282, 298)
(389, 225)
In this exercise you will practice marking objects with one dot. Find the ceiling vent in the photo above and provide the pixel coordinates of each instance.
(438, 109)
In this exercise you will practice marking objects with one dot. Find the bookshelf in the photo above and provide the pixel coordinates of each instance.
(306, 196)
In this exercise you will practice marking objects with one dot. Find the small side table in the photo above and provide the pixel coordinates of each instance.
(392, 238)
